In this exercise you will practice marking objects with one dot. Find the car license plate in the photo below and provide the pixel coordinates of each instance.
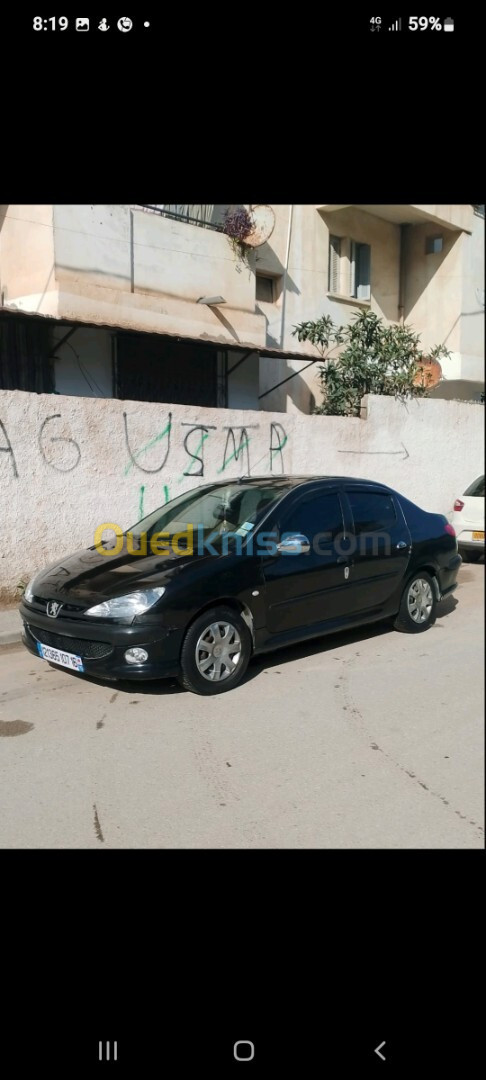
(65, 659)
(478, 535)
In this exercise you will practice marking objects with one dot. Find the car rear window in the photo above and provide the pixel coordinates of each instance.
(477, 488)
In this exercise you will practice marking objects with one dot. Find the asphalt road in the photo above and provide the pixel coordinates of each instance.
(370, 739)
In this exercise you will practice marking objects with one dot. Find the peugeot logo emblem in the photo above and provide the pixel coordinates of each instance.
(53, 608)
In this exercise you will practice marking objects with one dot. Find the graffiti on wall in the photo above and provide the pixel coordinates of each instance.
(63, 453)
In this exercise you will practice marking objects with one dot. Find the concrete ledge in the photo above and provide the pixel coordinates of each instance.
(11, 646)
(10, 628)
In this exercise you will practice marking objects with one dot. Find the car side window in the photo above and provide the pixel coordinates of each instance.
(373, 511)
(315, 515)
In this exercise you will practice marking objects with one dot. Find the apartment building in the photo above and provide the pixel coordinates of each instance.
(151, 303)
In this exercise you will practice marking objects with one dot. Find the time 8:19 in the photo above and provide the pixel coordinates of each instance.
(42, 24)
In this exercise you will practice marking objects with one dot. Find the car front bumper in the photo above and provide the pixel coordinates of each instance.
(103, 648)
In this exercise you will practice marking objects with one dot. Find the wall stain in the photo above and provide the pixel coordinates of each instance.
(113, 697)
(97, 826)
(14, 727)
(99, 723)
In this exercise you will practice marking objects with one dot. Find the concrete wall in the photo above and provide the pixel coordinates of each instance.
(432, 296)
(68, 464)
(472, 308)
(443, 302)
(242, 380)
(27, 255)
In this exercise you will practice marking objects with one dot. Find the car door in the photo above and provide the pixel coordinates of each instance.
(302, 590)
(381, 544)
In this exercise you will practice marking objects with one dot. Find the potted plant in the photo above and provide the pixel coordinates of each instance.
(238, 224)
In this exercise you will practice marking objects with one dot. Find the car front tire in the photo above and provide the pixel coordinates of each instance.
(215, 652)
(417, 609)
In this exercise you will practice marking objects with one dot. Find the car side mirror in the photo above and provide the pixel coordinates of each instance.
(297, 544)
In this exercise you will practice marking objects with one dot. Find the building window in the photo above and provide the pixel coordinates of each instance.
(349, 268)
(264, 289)
(433, 245)
(360, 285)
(155, 367)
(25, 354)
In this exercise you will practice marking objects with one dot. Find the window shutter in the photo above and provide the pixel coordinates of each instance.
(353, 275)
(334, 263)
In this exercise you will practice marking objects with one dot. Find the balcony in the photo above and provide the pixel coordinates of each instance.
(139, 267)
(204, 216)
(457, 217)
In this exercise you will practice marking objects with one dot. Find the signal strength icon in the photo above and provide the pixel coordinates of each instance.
(396, 25)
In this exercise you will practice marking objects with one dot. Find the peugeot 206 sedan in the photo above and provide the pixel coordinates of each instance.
(233, 569)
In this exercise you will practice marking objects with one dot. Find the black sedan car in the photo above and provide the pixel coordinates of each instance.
(236, 568)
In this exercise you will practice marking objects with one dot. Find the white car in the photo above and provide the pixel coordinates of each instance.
(467, 517)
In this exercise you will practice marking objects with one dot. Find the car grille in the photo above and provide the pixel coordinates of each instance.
(89, 650)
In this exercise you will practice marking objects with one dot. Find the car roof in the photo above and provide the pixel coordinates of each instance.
(296, 481)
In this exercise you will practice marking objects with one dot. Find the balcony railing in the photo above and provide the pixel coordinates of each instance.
(192, 215)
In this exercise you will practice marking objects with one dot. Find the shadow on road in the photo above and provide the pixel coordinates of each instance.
(446, 606)
(314, 647)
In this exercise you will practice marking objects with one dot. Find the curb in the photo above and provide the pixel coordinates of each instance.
(10, 637)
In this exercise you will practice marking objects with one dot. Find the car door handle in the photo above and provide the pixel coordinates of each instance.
(401, 544)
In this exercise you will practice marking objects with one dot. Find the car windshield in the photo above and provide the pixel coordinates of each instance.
(476, 489)
(216, 509)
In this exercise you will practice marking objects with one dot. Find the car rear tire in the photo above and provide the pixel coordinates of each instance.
(417, 609)
(470, 556)
(215, 652)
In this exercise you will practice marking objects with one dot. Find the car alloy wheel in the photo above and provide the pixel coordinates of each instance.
(218, 651)
(417, 611)
(420, 600)
(215, 652)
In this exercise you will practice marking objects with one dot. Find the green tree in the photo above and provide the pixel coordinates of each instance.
(376, 359)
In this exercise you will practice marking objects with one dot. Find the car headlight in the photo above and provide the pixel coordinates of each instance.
(29, 591)
(126, 607)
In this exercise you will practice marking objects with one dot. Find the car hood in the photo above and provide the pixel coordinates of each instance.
(88, 577)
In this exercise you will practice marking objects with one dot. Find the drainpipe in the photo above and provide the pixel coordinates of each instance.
(284, 287)
(402, 272)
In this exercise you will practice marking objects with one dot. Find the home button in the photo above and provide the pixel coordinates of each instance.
(244, 1050)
